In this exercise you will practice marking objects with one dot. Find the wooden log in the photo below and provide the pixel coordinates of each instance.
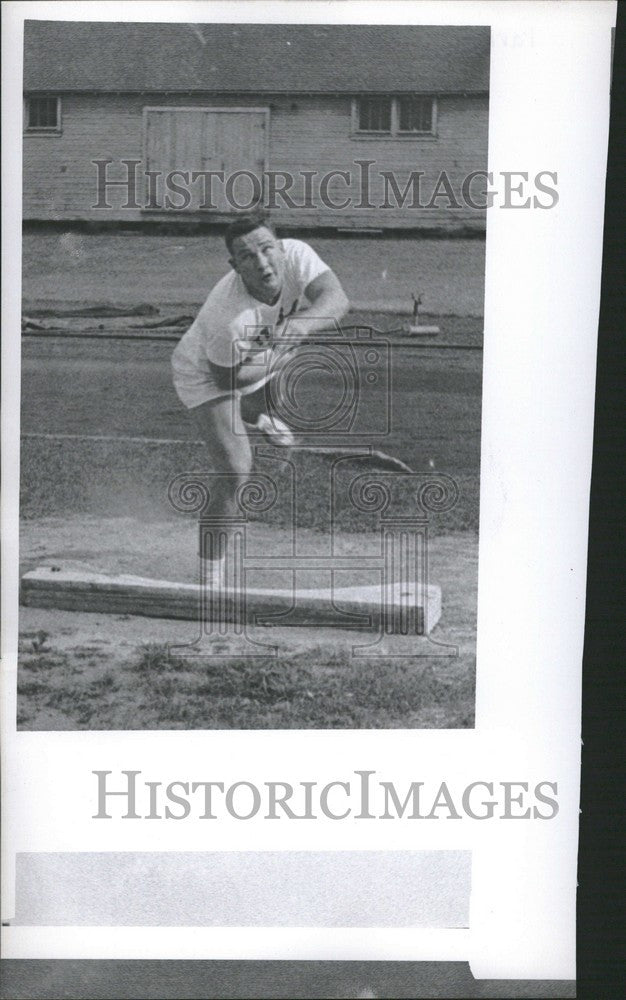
(358, 607)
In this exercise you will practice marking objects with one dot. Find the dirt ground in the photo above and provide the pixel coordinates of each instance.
(90, 671)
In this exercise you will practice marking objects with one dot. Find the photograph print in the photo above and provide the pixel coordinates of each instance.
(252, 318)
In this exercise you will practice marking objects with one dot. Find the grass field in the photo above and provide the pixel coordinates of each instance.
(317, 688)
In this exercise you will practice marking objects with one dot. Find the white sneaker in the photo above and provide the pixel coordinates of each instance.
(275, 430)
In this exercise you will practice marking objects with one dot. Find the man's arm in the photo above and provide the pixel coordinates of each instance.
(328, 302)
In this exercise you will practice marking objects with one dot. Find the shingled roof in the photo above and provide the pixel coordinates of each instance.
(252, 58)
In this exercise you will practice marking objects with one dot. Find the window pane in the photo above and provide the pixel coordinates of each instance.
(42, 112)
(51, 112)
(416, 114)
(375, 114)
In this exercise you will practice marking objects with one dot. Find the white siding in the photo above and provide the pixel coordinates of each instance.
(305, 133)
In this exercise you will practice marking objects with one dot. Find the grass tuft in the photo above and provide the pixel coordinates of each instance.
(319, 687)
(155, 657)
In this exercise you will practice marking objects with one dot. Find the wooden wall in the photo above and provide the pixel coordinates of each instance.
(305, 133)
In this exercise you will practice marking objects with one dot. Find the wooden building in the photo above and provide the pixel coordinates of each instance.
(332, 125)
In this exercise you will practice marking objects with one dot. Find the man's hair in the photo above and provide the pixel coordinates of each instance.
(246, 223)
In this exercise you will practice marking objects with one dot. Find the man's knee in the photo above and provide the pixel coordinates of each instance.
(229, 452)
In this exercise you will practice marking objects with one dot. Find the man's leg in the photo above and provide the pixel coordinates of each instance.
(257, 409)
(229, 454)
(255, 403)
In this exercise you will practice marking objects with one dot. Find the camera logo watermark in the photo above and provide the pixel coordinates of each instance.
(334, 384)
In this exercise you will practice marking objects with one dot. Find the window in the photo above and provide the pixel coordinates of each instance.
(374, 114)
(43, 114)
(395, 117)
(415, 114)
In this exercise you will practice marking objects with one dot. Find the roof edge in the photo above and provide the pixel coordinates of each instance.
(282, 93)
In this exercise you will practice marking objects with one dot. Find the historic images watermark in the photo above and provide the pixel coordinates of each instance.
(359, 795)
(362, 188)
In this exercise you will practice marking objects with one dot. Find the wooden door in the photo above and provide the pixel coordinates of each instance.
(192, 140)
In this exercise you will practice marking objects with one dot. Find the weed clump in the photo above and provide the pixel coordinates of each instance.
(156, 658)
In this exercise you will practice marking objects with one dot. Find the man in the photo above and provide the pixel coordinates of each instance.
(278, 290)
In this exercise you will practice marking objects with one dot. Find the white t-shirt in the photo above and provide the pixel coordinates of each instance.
(230, 314)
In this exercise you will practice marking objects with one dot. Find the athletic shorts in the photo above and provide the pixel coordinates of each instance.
(195, 387)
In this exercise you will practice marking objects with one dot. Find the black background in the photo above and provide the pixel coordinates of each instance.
(600, 924)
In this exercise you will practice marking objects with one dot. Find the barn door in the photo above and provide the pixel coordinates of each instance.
(204, 139)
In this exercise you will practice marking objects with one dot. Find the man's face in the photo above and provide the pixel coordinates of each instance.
(260, 260)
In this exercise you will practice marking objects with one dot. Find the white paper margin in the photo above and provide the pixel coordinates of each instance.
(548, 111)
